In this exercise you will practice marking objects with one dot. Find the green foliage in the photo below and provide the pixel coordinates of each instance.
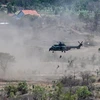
(23, 87)
(89, 12)
(84, 15)
(83, 92)
(39, 4)
(59, 94)
(39, 93)
(14, 9)
(9, 8)
(93, 79)
(68, 96)
(11, 91)
(82, 4)
(56, 93)
(3, 1)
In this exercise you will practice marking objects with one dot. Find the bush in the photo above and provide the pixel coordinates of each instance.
(93, 79)
(83, 92)
(39, 93)
(23, 87)
(69, 81)
(84, 15)
(68, 96)
(11, 91)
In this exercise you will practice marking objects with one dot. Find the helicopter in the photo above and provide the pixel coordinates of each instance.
(63, 48)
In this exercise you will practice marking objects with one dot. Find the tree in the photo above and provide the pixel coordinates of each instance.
(3, 1)
(9, 8)
(89, 12)
(6, 60)
(14, 9)
(94, 7)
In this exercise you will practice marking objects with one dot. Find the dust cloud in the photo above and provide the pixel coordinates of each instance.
(29, 43)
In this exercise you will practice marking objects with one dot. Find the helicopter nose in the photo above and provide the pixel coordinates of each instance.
(49, 49)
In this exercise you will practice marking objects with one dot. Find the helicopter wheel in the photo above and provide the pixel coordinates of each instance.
(52, 51)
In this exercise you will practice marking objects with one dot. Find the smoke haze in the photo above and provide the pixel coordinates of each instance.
(29, 43)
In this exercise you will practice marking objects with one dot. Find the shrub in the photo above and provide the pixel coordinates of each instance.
(11, 91)
(93, 79)
(68, 96)
(23, 87)
(39, 93)
(69, 81)
(83, 92)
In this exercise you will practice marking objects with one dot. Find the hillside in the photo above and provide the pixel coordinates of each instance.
(25, 55)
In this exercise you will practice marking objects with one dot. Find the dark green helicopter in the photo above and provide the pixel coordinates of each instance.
(63, 48)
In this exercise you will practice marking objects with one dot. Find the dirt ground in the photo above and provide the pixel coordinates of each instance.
(30, 44)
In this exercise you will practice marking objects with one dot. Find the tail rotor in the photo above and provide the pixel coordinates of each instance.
(80, 44)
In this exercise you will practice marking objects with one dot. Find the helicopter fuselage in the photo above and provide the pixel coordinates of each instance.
(63, 48)
(58, 48)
